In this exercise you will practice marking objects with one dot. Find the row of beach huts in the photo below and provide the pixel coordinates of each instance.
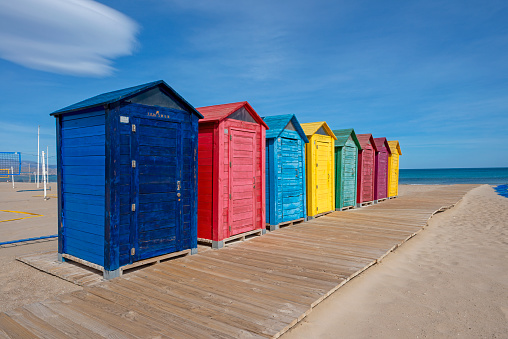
(143, 175)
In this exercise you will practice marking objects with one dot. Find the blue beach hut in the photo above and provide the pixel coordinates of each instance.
(285, 171)
(127, 178)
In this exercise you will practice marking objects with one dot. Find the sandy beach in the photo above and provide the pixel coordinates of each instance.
(451, 280)
(21, 284)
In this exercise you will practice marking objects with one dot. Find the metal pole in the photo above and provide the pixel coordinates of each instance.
(47, 164)
(38, 151)
(29, 174)
(44, 175)
(12, 175)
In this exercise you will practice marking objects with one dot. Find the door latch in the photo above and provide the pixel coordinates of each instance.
(133, 251)
(133, 163)
(134, 127)
(133, 207)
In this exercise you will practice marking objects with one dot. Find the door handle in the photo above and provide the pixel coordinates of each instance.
(254, 179)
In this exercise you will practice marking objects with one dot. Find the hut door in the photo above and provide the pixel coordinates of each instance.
(349, 177)
(368, 175)
(242, 182)
(323, 177)
(291, 179)
(156, 188)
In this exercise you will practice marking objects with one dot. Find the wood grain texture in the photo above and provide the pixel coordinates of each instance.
(255, 289)
(320, 169)
(285, 176)
(232, 171)
(381, 162)
(393, 168)
(121, 168)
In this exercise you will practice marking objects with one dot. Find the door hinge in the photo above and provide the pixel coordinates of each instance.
(317, 165)
(134, 127)
(133, 163)
(231, 137)
(230, 164)
(229, 196)
(230, 229)
(133, 251)
(133, 207)
(317, 186)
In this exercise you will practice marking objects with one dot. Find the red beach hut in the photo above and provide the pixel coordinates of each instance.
(366, 170)
(381, 177)
(231, 173)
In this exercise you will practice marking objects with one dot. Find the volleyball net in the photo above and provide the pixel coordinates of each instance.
(10, 164)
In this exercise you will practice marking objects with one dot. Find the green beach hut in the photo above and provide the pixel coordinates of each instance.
(346, 165)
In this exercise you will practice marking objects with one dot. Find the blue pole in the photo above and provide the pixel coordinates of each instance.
(28, 239)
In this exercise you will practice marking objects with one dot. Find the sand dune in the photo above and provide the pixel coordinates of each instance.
(451, 280)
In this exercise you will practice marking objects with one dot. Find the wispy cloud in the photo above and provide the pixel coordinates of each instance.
(79, 37)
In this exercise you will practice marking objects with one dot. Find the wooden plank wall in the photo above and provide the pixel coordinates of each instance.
(290, 177)
(381, 177)
(83, 144)
(206, 179)
(256, 289)
(366, 172)
(393, 174)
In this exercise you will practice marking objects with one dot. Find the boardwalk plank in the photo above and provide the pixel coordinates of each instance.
(254, 289)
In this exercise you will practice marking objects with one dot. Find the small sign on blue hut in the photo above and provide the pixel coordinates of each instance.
(127, 178)
(286, 200)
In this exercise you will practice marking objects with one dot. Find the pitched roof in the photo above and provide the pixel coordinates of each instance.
(343, 135)
(277, 124)
(311, 128)
(365, 138)
(380, 142)
(394, 144)
(221, 112)
(112, 97)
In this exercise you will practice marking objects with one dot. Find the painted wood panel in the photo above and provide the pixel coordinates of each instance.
(232, 200)
(82, 168)
(127, 175)
(346, 163)
(320, 167)
(393, 168)
(366, 169)
(381, 177)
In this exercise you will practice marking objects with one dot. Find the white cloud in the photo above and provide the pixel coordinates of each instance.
(79, 37)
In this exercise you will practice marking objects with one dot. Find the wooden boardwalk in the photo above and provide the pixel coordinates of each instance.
(258, 288)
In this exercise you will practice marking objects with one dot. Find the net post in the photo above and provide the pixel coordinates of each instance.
(38, 155)
(44, 175)
(12, 175)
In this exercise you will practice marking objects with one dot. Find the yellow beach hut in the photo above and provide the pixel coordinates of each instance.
(320, 166)
(393, 169)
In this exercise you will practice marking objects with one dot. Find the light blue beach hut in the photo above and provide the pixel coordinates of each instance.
(285, 171)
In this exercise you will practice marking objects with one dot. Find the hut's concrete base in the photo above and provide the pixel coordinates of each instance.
(194, 251)
(217, 244)
(112, 274)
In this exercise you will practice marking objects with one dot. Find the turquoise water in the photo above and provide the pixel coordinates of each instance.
(445, 176)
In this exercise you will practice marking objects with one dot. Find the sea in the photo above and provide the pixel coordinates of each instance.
(448, 176)
(439, 176)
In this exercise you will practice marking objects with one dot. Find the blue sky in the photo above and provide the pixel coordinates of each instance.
(432, 74)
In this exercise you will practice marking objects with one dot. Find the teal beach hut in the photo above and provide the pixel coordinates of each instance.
(285, 171)
(346, 165)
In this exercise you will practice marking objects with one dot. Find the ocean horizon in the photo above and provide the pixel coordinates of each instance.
(448, 176)
(424, 176)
